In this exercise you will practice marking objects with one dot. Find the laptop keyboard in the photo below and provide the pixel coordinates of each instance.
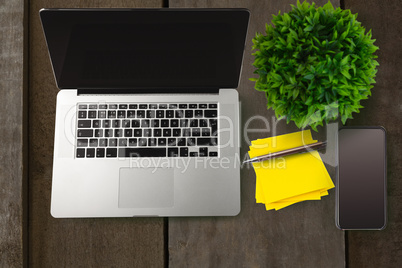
(147, 130)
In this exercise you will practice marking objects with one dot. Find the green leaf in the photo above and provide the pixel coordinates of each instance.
(309, 76)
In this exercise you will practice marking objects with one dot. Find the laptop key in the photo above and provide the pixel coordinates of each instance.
(213, 105)
(82, 106)
(161, 142)
(171, 141)
(150, 113)
(145, 123)
(174, 123)
(160, 114)
(105, 123)
(188, 113)
(206, 132)
(85, 133)
(192, 106)
(100, 152)
(147, 132)
(211, 113)
(153, 106)
(92, 114)
(169, 113)
(121, 114)
(102, 142)
(137, 132)
(179, 113)
(112, 142)
(173, 152)
(176, 132)
(142, 152)
(135, 123)
(90, 152)
(133, 106)
(165, 123)
(84, 123)
(191, 142)
(111, 114)
(108, 133)
(140, 114)
(80, 153)
(183, 106)
(202, 106)
(203, 123)
(155, 123)
(112, 106)
(116, 123)
(93, 142)
(82, 114)
(102, 114)
(132, 142)
(111, 152)
(128, 133)
(184, 151)
(122, 106)
(195, 132)
(102, 106)
(204, 151)
(123, 142)
(213, 153)
(96, 123)
(98, 133)
(82, 142)
(167, 132)
(142, 142)
(157, 132)
(125, 123)
(143, 106)
(118, 132)
(130, 114)
(198, 113)
(181, 142)
(207, 141)
(152, 141)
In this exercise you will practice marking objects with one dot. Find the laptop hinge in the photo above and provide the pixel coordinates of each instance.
(208, 90)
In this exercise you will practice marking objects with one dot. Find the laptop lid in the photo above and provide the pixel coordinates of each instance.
(191, 49)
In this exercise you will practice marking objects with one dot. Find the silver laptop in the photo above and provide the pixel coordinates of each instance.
(147, 117)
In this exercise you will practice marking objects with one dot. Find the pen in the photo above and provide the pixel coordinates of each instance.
(301, 149)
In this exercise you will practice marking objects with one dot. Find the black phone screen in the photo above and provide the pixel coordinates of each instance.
(361, 178)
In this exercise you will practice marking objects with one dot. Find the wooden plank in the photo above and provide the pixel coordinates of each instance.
(302, 235)
(12, 139)
(383, 108)
(112, 242)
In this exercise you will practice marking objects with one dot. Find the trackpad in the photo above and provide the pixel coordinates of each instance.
(146, 187)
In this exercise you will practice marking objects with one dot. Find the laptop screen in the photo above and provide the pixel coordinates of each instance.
(146, 48)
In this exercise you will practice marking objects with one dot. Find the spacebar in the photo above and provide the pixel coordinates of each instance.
(142, 152)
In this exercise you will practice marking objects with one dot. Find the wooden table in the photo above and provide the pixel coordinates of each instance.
(303, 235)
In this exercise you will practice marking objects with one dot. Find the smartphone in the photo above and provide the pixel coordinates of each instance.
(361, 186)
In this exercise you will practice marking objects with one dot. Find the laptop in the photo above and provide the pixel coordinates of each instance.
(147, 116)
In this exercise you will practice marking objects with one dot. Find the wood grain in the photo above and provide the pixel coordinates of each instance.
(302, 235)
(383, 108)
(53, 242)
(12, 139)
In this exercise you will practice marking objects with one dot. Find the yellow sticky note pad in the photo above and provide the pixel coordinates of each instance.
(287, 180)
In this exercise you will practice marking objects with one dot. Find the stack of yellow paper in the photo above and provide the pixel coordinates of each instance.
(287, 180)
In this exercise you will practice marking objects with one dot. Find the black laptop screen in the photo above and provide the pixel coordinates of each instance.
(146, 48)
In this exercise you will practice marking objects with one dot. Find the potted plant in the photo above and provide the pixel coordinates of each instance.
(314, 64)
